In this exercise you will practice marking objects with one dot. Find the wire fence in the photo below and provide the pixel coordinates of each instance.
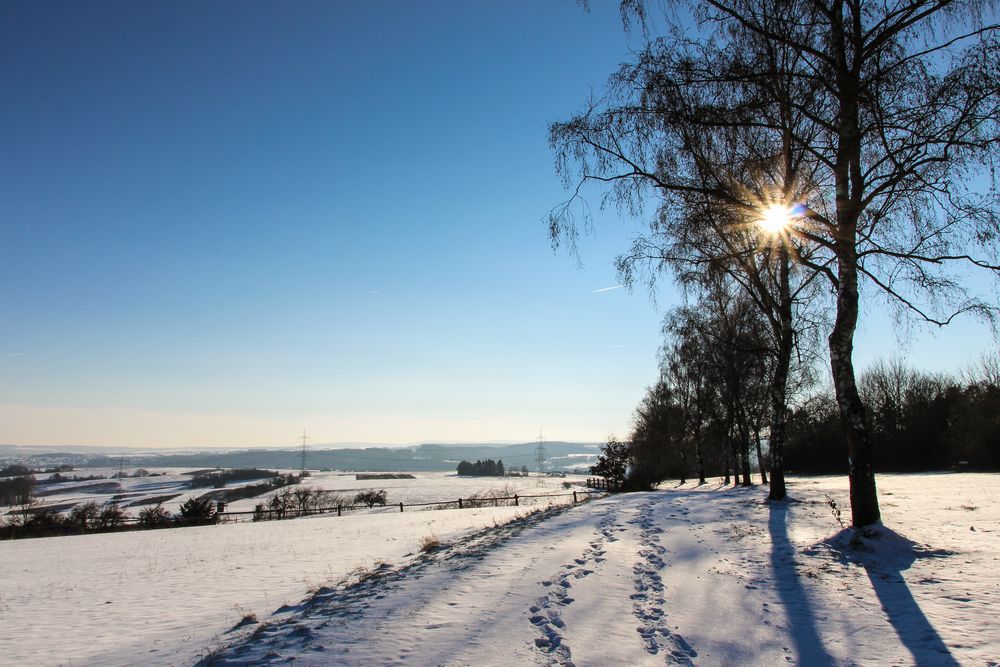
(262, 513)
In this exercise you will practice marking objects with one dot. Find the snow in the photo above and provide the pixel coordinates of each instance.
(134, 492)
(704, 575)
(159, 597)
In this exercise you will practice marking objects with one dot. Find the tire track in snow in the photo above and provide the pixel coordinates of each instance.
(546, 613)
(648, 601)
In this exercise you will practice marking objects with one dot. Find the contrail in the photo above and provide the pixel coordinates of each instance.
(607, 289)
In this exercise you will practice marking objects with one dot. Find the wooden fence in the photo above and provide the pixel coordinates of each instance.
(600, 483)
(262, 513)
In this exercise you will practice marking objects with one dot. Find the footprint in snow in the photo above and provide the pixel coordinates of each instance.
(648, 600)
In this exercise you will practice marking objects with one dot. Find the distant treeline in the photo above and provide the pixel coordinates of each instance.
(17, 470)
(218, 479)
(30, 520)
(489, 467)
(16, 490)
(254, 490)
(421, 458)
(93, 518)
(919, 421)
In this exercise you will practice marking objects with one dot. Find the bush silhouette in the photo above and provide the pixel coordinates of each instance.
(371, 498)
(197, 510)
(154, 516)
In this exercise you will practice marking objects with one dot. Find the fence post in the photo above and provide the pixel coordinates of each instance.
(338, 510)
(400, 507)
(515, 500)
(459, 503)
(574, 497)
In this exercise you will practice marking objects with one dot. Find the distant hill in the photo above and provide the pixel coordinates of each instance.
(418, 458)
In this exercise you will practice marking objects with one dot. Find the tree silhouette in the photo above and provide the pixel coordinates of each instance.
(869, 120)
(612, 463)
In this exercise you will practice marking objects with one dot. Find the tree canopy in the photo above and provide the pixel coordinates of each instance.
(873, 124)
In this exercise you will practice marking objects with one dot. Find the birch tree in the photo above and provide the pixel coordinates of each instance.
(873, 124)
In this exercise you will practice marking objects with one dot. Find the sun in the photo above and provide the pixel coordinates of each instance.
(775, 218)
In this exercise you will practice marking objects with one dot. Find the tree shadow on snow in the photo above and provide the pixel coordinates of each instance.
(801, 618)
(885, 555)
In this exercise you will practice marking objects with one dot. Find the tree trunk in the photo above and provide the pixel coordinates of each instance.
(731, 444)
(779, 382)
(734, 454)
(760, 457)
(726, 456)
(744, 431)
(777, 490)
(850, 187)
(683, 463)
(864, 495)
(701, 464)
(698, 459)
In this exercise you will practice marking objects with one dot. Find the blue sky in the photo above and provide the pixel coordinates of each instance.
(223, 223)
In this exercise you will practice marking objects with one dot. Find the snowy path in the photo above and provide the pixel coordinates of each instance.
(690, 576)
(472, 601)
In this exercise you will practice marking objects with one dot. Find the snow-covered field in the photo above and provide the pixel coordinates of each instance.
(686, 575)
(172, 487)
(162, 597)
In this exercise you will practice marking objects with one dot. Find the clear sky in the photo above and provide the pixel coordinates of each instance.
(222, 223)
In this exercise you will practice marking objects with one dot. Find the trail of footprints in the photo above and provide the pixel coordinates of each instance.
(344, 605)
(546, 613)
(648, 600)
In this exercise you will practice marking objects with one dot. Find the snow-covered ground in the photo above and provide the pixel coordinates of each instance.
(686, 575)
(162, 597)
(171, 486)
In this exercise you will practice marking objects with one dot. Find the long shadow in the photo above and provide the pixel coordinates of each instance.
(907, 619)
(801, 618)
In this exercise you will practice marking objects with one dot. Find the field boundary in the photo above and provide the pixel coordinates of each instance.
(261, 513)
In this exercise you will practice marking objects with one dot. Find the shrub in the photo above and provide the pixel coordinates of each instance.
(309, 499)
(44, 519)
(499, 497)
(111, 517)
(304, 498)
(29, 522)
(371, 498)
(326, 499)
(154, 516)
(281, 502)
(16, 490)
(197, 509)
(85, 516)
